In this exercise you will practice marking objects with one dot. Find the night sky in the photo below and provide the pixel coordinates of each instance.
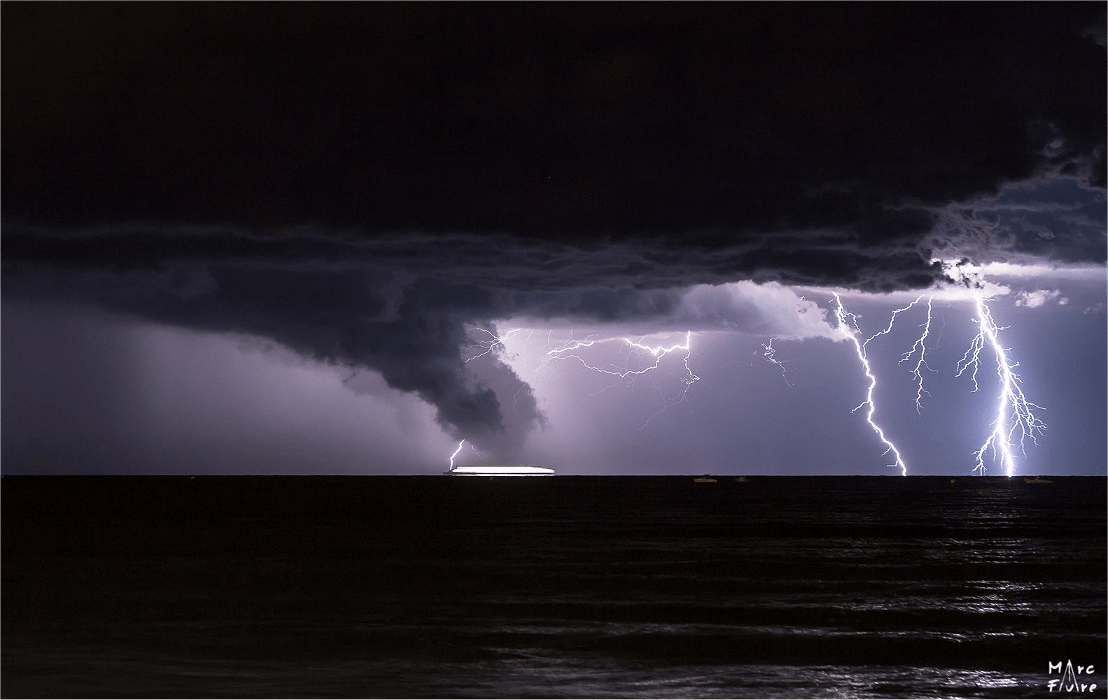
(340, 238)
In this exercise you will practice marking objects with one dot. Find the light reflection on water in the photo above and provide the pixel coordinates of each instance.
(530, 673)
(809, 593)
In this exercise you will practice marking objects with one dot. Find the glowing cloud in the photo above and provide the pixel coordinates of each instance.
(1039, 297)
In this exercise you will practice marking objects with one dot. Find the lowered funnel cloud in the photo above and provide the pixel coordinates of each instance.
(664, 169)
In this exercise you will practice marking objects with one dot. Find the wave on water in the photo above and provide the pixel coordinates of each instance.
(554, 587)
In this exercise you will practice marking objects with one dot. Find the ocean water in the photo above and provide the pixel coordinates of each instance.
(552, 587)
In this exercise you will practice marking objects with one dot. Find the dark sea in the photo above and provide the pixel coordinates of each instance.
(565, 586)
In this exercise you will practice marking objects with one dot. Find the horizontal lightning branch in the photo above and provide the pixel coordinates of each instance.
(620, 372)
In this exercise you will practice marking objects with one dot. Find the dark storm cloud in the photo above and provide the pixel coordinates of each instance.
(1054, 220)
(401, 306)
(366, 182)
(413, 334)
(567, 122)
(405, 311)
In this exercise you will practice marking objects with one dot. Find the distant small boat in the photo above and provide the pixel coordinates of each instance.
(740, 479)
(706, 479)
(1037, 480)
(490, 471)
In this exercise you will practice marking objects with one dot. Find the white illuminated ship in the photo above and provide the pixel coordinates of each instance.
(476, 470)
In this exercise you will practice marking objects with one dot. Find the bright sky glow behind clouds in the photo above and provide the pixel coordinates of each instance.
(796, 416)
(226, 284)
(144, 398)
(149, 398)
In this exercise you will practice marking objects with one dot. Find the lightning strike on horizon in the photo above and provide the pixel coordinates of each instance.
(850, 330)
(459, 449)
(456, 453)
(1023, 419)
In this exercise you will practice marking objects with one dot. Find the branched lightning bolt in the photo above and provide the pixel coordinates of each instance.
(657, 352)
(921, 363)
(920, 345)
(851, 330)
(456, 453)
(568, 351)
(892, 319)
(688, 379)
(459, 449)
(1023, 419)
(490, 344)
(769, 354)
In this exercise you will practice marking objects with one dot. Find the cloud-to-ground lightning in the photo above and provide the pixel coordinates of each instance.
(621, 372)
(1023, 419)
(459, 449)
(1015, 420)
(460, 444)
(851, 330)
